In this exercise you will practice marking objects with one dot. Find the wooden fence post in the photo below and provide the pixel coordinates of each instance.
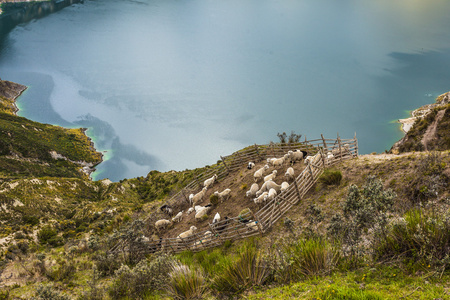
(324, 143)
(257, 152)
(298, 190)
(356, 145)
(340, 149)
(258, 224)
(226, 167)
(184, 196)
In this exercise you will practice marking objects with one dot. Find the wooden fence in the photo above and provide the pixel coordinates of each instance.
(324, 152)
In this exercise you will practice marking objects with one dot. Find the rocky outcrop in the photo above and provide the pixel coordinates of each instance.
(427, 128)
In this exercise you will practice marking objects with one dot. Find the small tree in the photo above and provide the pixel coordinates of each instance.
(291, 139)
(365, 210)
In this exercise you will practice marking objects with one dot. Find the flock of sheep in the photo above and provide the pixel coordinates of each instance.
(262, 190)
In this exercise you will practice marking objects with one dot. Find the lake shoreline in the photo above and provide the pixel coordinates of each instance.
(12, 91)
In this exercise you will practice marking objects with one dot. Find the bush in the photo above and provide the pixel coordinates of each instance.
(106, 263)
(249, 270)
(364, 209)
(48, 292)
(186, 283)
(143, 278)
(46, 233)
(419, 236)
(305, 258)
(214, 199)
(331, 177)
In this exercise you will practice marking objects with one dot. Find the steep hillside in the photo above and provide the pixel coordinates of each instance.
(32, 149)
(56, 225)
(428, 128)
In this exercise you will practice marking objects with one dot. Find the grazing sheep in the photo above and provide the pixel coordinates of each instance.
(205, 239)
(297, 155)
(187, 233)
(203, 212)
(166, 209)
(197, 197)
(267, 186)
(273, 185)
(250, 165)
(259, 200)
(252, 191)
(271, 195)
(309, 159)
(252, 225)
(224, 195)
(278, 162)
(178, 217)
(271, 176)
(216, 218)
(210, 181)
(199, 207)
(162, 224)
(284, 186)
(260, 173)
(330, 156)
(289, 173)
(191, 209)
(269, 160)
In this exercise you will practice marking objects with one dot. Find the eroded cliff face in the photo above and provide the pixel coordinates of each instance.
(427, 129)
(9, 91)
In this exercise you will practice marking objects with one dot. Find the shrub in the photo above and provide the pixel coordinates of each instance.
(46, 233)
(306, 258)
(186, 283)
(419, 236)
(249, 270)
(331, 177)
(214, 199)
(106, 263)
(48, 292)
(143, 278)
(363, 209)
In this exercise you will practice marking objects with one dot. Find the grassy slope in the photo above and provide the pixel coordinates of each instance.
(36, 190)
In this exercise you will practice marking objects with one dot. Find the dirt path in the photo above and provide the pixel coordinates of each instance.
(430, 134)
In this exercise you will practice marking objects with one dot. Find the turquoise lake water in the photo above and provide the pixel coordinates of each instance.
(174, 84)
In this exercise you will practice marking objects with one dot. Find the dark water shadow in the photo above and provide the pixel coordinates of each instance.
(115, 168)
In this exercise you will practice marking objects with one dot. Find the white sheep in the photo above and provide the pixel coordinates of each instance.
(284, 186)
(161, 224)
(262, 189)
(250, 165)
(178, 217)
(330, 156)
(271, 195)
(203, 212)
(309, 159)
(205, 239)
(273, 185)
(224, 195)
(252, 225)
(216, 218)
(269, 160)
(260, 199)
(191, 209)
(187, 233)
(289, 173)
(210, 181)
(270, 176)
(260, 173)
(252, 191)
(296, 155)
(278, 162)
(197, 197)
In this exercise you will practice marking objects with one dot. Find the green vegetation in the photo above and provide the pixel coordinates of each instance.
(372, 228)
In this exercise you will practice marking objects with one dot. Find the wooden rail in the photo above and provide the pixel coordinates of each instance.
(324, 152)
